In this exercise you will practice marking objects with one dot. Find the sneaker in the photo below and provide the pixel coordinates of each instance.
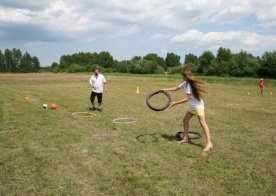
(100, 109)
(93, 108)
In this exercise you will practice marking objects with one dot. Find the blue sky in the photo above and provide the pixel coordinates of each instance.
(51, 28)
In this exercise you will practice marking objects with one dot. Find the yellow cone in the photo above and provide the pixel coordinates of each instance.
(248, 93)
(27, 98)
(137, 90)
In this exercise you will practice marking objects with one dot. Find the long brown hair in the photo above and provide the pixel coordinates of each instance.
(197, 85)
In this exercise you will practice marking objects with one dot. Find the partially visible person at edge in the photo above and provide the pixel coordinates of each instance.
(98, 85)
(193, 89)
(262, 85)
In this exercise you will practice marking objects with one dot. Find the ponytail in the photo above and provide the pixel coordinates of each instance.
(196, 85)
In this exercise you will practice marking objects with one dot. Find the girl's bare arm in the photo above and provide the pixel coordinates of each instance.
(185, 99)
(170, 89)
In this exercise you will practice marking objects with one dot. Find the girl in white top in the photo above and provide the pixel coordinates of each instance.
(193, 89)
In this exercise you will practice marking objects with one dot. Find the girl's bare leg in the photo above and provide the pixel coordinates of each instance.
(186, 119)
(205, 127)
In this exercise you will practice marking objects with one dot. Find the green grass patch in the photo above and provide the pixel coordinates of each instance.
(55, 153)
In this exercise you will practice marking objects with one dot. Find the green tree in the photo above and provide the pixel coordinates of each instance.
(192, 62)
(172, 60)
(93, 58)
(268, 65)
(191, 58)
(176, 70)
(122, 66)
(156, 59)
(205, 61)
(148, 66)
(245, 64)
(214, 67)
(17, 57)
(251, 69)
(105, 59)
(9, 61)
(26, 64)
(2, 62)
(64, 62)
(224, 60)
(136, 68)
(36, 64)
(13, 61)
(54, 65)
(136, 58)
(224, 55)
(73, 68)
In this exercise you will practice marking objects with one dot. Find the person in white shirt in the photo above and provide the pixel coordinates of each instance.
(193, 89)
(98, 85)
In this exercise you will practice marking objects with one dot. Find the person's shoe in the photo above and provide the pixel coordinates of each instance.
(100, 109)
(93, 108)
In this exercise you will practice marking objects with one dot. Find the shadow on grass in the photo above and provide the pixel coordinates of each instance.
(198, 145)
(169, 137)
(173, 138)
(147, 138)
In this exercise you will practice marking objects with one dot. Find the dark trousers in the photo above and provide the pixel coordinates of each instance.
(98, 95)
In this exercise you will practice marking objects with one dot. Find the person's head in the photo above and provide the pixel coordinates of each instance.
(187, 74)
(196, 85)
(262, 79)
(96, 71)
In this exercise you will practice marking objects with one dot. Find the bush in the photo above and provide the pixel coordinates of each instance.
(73, 68)
(159, 70)
(175, 70)
(123, 67)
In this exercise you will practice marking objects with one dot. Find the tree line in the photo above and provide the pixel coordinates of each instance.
(13, 61)
(224, 63)
(149, 64)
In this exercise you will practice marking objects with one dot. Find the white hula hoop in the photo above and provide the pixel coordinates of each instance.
(122, 120)
(88, 114)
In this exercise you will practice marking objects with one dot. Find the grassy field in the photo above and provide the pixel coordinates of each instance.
(51, 152)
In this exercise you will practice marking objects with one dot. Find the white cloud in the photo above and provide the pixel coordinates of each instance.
(56, 16)
(225, 12)
(191, 35)
(267, 17)
(236, 40)
(72, 15)
(20, 16)
(246, 24)
(61, 16)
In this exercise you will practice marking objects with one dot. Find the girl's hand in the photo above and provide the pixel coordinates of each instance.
(172, 104)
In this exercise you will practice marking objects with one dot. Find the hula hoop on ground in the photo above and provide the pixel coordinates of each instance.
(124, 120)
(153, 138)
(83, 114)
(155, 93)
(192, 135)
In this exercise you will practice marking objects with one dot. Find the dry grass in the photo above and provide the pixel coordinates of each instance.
(55, 153)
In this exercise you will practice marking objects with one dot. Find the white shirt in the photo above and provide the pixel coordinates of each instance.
(97, 83)
(193, 102)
